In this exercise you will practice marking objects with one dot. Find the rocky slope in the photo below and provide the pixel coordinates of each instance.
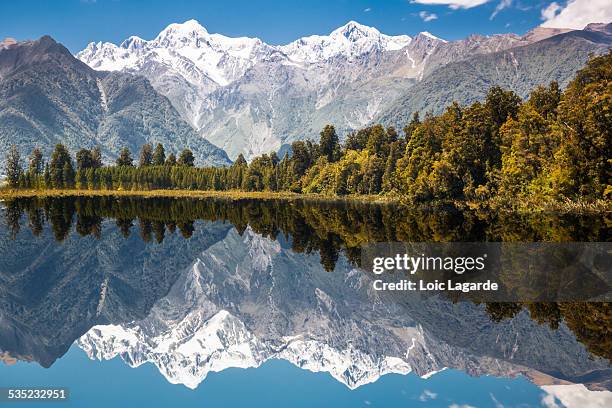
(520, 68)
(47, 96)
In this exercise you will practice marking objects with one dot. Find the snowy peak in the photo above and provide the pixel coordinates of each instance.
(353, 31)
(185, 32)
(427, 34)
(187, 50)
(133, 43)
(349, 41)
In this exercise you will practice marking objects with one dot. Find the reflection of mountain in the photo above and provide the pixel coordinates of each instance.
(249, 299)
(51, 293)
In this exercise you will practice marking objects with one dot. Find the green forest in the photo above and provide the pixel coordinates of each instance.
(552, 147)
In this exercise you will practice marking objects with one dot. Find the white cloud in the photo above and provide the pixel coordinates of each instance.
(550, 11)
(427, 17)
(427, 395)
(454, 4)
(503, 4)
(367, 10)
(460, 406)
(577, 13)
(495, 401)
(575, 395)
(549, 401)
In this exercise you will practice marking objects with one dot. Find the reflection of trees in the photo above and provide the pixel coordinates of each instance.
(146, 229)
(13, 214)
(124, 226)
(327, 228)
(591, 322)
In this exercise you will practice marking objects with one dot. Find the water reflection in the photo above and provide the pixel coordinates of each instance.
(197, 286)
(324, 227)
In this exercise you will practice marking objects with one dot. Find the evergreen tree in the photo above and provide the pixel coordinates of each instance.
(546, 100)
(329, 145)
(146, 155)
(125, 158)
(357, 140)
(13, 166)
(35, 166)
(186, 158)
(389, 175)
(301, 159)
(171, 160)
(96, 157)
(59, 158)
(84, 159)
(68, 175)
(47, 176)
(501, 105)
(240, 161)
(159, 155)
(412, 126)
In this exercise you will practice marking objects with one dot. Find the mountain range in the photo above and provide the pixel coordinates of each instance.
(47, 96)
(246, 96)
(222, 96)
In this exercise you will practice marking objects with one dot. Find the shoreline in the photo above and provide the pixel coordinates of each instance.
(197, 194)
(570, 207)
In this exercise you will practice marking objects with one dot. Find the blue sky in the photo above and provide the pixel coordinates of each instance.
(77, 22)
(112, 383)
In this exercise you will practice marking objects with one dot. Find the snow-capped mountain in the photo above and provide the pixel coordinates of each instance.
(186, 48)
(248, 299)
(350, 41)
(250, 97)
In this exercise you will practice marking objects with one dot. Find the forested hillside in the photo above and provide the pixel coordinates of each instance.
(555, 146)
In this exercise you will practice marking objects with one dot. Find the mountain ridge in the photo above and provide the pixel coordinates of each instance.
(248, 97)
(47, 96)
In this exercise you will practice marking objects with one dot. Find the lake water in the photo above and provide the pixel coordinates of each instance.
(161, 302)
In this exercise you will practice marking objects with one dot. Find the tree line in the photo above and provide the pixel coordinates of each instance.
(555, 145)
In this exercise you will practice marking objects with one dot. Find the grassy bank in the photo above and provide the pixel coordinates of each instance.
(6, 194)
(598, 206)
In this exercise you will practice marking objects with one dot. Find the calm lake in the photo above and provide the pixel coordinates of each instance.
(213, 303)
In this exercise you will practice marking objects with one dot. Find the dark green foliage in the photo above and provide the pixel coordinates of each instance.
(84, 159)
(61, 166)
(96, 157)
(146, 155)
(68, 174)
(329, 144)
(13, 166)
(36, 163)
(186, 158)
(159, 155)
(125, 158)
